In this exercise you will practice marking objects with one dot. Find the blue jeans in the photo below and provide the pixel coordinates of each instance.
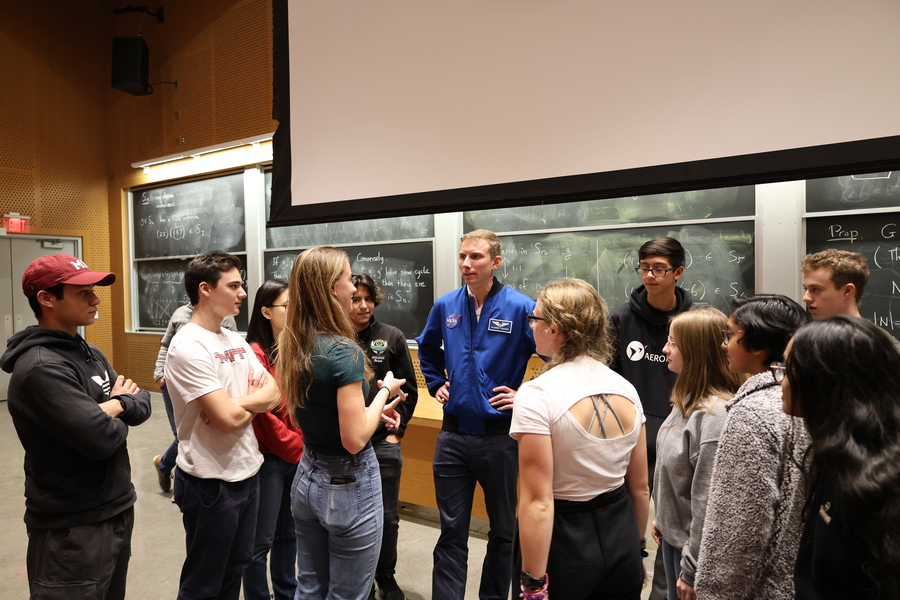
(337, 507)
(461, 461)
(275, 532)
(167, 462)
(672, 560)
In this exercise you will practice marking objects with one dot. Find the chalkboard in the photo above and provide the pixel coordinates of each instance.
(350, 232)
(161, 291)
(190, 218)
(675, 206)
(877, 237)
(719, 260)
(405, 272)
(872, 190)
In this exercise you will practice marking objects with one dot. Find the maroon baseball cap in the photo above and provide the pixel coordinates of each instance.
(45, 272)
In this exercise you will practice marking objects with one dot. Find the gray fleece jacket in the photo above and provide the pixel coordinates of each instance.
(685, 455)
(753, 515)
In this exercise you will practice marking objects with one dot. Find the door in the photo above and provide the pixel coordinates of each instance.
(16, 252)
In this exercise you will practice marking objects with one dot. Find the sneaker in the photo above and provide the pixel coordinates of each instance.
(389, 588)
(165, 479)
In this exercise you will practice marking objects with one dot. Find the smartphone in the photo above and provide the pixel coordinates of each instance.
(342, 479)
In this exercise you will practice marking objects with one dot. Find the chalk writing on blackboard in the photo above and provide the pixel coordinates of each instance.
(405, 271)
(161, 290)
(189, 218)
(853, 192)
(877, 237)
(719, 260)
(673, 206)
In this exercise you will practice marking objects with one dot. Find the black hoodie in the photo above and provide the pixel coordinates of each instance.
(77, 470)
(640, 334)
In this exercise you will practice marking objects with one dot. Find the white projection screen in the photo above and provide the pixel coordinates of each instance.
(416, 106)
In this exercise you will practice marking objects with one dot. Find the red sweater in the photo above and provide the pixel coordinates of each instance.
(273, 429)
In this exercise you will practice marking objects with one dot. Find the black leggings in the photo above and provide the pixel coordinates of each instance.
(595, 551)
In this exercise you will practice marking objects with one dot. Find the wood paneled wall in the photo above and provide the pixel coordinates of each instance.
(67, 138)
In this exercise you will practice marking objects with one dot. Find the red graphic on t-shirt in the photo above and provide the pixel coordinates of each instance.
(231, 355)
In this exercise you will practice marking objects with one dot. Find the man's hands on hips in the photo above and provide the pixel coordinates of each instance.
(504, 400)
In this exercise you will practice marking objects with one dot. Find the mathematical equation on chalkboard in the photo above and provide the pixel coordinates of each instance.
(405, 272)
(189, 218)
(161, 290)
(719, 260)
(877, 237)
(853, 192)
(672, 206)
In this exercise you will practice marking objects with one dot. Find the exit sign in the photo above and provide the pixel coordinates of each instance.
(16, 223)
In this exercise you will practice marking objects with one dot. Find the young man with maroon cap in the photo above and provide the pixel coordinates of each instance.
(72, 412)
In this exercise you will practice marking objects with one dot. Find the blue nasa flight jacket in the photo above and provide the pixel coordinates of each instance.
(478, 355)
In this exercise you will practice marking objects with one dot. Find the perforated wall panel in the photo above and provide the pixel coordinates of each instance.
(16, 101)
(188, 109)
(242, 41)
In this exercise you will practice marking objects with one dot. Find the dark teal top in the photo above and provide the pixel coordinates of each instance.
(336, 362)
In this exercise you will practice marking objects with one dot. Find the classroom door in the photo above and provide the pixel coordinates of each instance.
(15, 255)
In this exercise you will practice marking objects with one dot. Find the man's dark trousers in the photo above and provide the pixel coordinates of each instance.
(220, 529)
(460, 461)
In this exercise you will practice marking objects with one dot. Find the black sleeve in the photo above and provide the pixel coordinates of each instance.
(402, 366)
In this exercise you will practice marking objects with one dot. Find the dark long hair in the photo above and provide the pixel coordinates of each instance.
(844, 376)
(259, 331)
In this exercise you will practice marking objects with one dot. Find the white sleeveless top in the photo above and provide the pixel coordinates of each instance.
(584, 466)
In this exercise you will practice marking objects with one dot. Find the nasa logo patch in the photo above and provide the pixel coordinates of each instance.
(452, 321)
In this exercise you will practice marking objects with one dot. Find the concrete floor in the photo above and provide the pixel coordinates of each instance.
(158, 545)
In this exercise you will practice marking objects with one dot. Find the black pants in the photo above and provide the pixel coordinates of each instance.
(595, 551)
(220, 527)
(390, 461)
(461, 461)
(88, 561)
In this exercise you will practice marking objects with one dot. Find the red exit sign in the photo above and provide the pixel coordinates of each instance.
(16, 223)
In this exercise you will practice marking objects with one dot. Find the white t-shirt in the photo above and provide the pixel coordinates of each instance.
(584, 466)
(199, 362)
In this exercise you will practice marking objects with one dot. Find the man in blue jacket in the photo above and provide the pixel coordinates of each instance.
(473, 353)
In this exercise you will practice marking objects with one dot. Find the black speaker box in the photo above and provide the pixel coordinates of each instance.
(131, 65)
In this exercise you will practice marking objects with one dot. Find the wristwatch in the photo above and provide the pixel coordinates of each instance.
(531, 582)
(122, 402)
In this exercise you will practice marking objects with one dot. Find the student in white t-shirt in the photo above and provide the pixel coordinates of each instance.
(582, 451)
(217, 386)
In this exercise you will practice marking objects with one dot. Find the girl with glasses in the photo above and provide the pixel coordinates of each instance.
(281, 444)
(752, 526)
(687, 441)
(842, 376)
(582, 457)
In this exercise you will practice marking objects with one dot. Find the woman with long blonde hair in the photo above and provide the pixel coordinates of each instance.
(687, 441)
(582, 457)
(336, 498)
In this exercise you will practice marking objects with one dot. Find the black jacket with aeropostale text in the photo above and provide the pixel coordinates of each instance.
(640, 332)
(77, 470)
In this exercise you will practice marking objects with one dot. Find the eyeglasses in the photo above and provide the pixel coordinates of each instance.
(671, 341)
(533, 319)
(657, 272)
(278, 306)
(728, 333)
(778, 371)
